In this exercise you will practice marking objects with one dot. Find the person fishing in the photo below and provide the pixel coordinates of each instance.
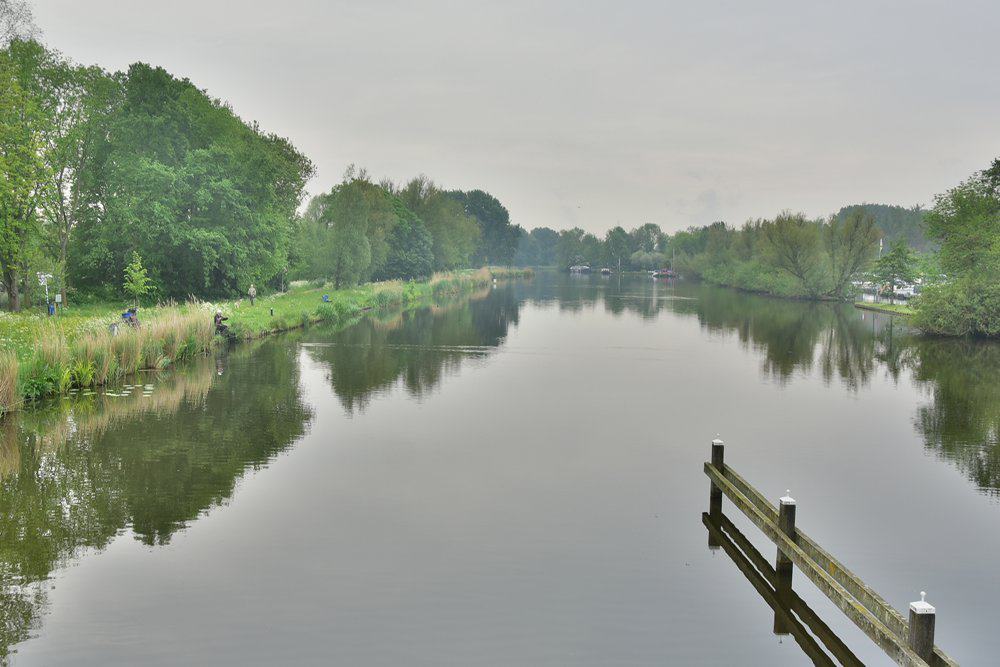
(220, 328)
(252, 293)
(131, 318)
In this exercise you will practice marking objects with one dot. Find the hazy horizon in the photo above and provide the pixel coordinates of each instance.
(596, 116)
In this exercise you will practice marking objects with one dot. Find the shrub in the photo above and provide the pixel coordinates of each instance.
(82, 373)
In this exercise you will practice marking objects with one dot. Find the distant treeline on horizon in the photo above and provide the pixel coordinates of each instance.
(98, 166)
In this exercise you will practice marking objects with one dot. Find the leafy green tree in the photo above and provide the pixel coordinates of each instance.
(617, 246)
(569, 248)
(411, 253)
(84, 99)
(346, 217)
(896, 266)
(850, 244)
(454, 232)
(498, 238)
(591, 249)
(137, 282)
(966, 221)
(793, 245)
(538, 248)
(24, 122)
(208, 200)
(648, 238)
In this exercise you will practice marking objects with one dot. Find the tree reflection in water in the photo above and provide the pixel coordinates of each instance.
(961, 420)
(78, 472)
(416, 348)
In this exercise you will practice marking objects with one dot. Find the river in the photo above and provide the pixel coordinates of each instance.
(513, 477)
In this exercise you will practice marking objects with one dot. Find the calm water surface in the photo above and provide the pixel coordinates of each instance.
(512, 478)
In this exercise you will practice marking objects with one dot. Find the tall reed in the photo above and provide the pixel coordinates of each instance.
(9, 368)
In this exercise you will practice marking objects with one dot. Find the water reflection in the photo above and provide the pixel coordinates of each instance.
(417, 348)
(792, 616)
(78, 472)
(961, 420)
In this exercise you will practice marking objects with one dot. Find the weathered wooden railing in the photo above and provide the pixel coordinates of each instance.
(906, 642)
(792, 616)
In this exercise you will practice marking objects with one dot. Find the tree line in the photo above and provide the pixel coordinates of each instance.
(99, 167)
(361, 230)
(790, 255)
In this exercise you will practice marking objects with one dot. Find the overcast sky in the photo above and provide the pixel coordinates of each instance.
(592, 113)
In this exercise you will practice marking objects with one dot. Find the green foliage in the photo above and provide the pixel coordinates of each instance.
(206, 199)
(26, 123)
(137, 283)
(360, 231)
(894, 223)
(498, 238)
(411, 252)
(897, 265)
(454, 233)
(966, 221)
(537, 248)
(617, 247)
(962, 307)
(788, 256)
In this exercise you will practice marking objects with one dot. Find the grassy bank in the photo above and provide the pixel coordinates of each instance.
(41, 356)
(892, 309)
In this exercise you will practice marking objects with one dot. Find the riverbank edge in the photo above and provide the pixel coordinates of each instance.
(178, 333)
(889, 309)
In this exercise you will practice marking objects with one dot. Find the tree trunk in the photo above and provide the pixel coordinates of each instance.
(26, 302)
(62, 263)
(13, 295)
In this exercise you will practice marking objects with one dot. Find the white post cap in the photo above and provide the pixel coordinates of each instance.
(787, 498)
(922, 606)
(717, 440)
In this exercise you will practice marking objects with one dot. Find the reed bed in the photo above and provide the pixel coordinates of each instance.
(98, 358)
(173, 333)
(9, 367)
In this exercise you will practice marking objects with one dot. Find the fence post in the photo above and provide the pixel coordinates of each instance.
(718, 462)
(922, 628)
(786, 523)
(715, 493)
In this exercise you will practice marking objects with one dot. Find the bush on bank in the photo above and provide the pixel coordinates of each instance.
(961, 308)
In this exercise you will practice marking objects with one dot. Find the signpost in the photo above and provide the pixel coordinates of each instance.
(43, 280)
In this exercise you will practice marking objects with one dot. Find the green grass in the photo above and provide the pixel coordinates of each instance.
(893, 309)
(42, 356)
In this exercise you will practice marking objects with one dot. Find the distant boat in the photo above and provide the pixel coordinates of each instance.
(579, 268)
(606, 271)
(663, 273)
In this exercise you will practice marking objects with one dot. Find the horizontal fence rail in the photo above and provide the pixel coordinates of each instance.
(791, 613)
(907, 642)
